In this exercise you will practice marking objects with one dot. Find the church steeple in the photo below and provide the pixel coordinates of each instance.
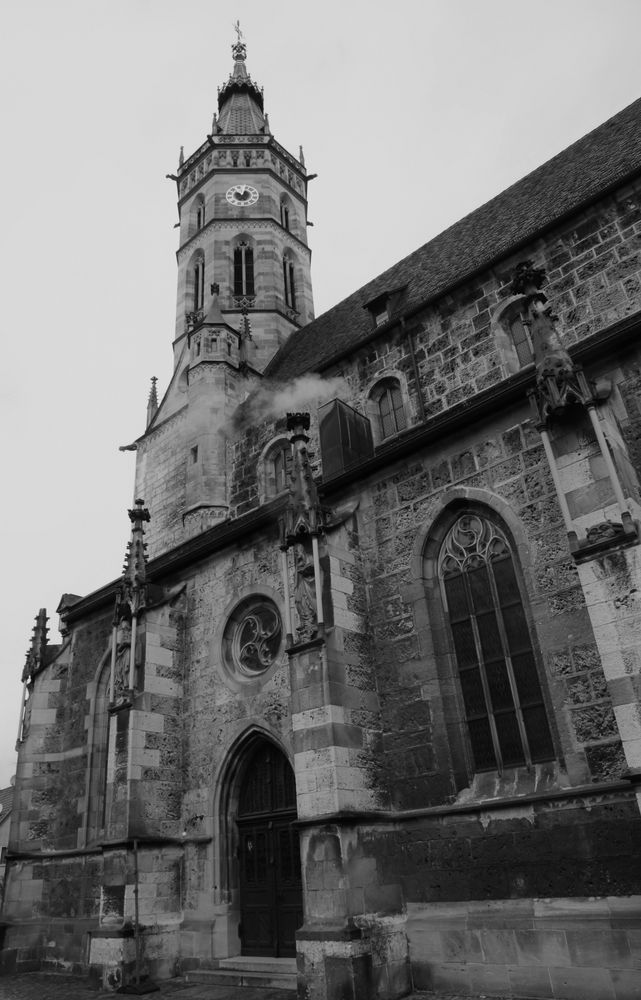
(240, 100)
(244, 287)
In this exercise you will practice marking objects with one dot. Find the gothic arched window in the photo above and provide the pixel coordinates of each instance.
(199, 213)
(504, 709)
(198, 281)
(243, 270)
(284, 214)
(289, 282)
(390, 409)
(277, 465)
(520, 333)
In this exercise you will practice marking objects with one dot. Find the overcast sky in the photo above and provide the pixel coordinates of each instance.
(412, 113)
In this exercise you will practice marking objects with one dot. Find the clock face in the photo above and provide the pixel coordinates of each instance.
(242, 194)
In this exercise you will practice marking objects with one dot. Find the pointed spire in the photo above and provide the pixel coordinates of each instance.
(133, 586)
(244, 337)
(301, 156)
(181, 157)
(240, 100)
(37, 652)
(214, 316)
(304, 515)
(152, 402)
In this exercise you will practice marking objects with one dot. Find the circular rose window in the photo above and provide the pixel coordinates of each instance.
(252, 637)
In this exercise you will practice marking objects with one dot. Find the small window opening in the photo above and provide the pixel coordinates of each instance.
(391, 410)
(277, 469)
(522, 340)
(194, 453)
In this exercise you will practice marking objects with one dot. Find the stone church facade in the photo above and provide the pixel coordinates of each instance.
(367, 694)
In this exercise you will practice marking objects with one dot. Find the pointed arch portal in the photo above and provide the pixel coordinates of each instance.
(271, 902)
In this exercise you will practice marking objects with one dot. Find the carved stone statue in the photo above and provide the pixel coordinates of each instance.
(123, 656)
(305, 595)
(550, 356)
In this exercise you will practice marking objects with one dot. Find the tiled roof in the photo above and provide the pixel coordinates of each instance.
(241, 116)
(583, 171)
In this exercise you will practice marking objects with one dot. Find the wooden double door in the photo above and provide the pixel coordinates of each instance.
(271, 901)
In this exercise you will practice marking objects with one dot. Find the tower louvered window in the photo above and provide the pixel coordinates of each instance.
(504, 708)
(289, 283)
(243, 270)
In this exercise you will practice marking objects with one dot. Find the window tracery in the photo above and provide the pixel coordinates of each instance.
(252, 637)
(503, 702)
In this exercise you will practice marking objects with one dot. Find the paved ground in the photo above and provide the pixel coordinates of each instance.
(38, 986)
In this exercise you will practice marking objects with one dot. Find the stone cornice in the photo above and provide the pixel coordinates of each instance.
(250, 223)
(251, 139)
(239, 169)
(375, 816)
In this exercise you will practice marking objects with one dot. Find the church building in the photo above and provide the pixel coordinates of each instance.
(362, 714)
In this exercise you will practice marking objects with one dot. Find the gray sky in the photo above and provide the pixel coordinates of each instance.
(412, 114)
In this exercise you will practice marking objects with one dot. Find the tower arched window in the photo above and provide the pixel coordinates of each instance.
(503, 703)
(389, 408)
(198, 275)
(243, 270)
(284, 215)
(289, 282)
(200, 215)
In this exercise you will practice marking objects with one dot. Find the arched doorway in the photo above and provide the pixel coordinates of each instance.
(271, 902)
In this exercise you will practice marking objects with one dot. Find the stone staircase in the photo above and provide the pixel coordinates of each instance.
(249, 970)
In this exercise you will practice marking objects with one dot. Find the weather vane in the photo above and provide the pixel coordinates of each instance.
(236, 27)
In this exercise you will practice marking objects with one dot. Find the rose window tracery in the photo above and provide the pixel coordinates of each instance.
(253, 637)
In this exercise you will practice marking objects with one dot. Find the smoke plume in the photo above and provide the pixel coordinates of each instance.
(276, 399)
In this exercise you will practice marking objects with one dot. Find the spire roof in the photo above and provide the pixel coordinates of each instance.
(240, 100)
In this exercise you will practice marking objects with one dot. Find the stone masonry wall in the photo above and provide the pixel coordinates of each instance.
(502, 464)
(593, 267)
(51, 800)
(161, 482)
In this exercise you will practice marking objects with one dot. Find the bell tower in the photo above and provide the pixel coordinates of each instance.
(242, 200)
(244, 288)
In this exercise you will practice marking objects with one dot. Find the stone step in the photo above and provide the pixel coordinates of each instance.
(256, 971)
(259, 963)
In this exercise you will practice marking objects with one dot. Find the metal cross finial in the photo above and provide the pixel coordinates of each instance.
(236, 27)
